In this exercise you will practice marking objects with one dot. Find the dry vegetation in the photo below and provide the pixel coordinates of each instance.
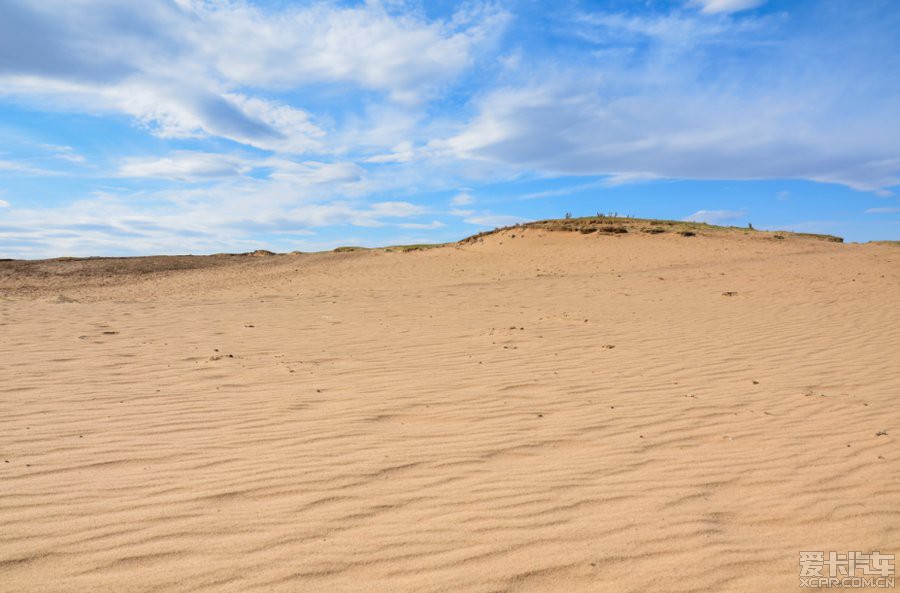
(614, 225)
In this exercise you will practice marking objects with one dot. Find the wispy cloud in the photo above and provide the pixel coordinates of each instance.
(201, 221)
(726, 6)
(462, 199)
(65, 153)
(614, 180)
(755, 107)
(495, 220)
(434, 224)
(26, 169)
(173, 65)
(716, 216)
(185, 166)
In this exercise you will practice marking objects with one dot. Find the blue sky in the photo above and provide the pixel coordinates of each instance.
(201, 126)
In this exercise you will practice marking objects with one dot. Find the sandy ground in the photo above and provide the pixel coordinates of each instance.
(545, 412)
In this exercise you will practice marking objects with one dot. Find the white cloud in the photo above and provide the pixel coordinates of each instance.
(462, 199)
(301, 174)
(189, 166)
(340, 213)
(675, 30)
(629, 178)
(883, 210)
(396, 209)
(175, 66)
(662, 118)
(715, 216)
(185, 166)
(4, 204)
(65, 153)
(434, 224)
(884, 193)
(294, 130)
(25, 169)
(613, 180)
(495, 220)
(402, 157)
(784, 195)
(401, 153)
(726, 6)
(225, 218)
(563, 191)
(367, 45)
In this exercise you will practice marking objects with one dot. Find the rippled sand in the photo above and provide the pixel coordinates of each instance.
(545, 412)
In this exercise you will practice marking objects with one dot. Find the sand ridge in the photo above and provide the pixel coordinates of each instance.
(530, 411)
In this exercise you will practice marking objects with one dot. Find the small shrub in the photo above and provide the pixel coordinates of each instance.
(616, 230)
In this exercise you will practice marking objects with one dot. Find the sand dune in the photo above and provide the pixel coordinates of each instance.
(531, 411)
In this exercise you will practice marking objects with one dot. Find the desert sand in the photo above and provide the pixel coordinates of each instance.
(533, 410)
